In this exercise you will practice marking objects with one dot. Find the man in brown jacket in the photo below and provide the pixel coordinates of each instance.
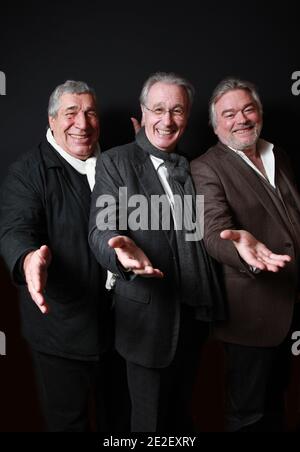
(248, 185)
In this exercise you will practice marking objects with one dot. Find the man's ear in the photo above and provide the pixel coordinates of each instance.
(51, 121)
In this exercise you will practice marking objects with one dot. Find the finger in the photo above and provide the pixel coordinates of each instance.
(136, 125)
(281, 257)
(277, 263)
(38, 277)
(37, 269)
(275, 260)
(230, 234)
(272, 268)
(39, 299)
(265, 252)
(158, 273)
(133, 264)
(41, 303)
(149, 270)
(153, 273)
(255, 262)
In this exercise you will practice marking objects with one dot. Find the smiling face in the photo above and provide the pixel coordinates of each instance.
(238, 120)
(164, 129)
(76, 125)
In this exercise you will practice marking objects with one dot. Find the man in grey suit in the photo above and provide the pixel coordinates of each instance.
(166, 288)
(248, 185)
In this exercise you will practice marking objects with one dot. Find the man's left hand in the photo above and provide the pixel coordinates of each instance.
(136, 125)
(255, 253)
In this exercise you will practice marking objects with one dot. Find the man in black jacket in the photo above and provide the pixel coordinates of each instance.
(44, 214)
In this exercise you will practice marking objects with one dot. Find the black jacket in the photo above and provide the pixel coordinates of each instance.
(45, 201)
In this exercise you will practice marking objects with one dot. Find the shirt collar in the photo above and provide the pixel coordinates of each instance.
(77, 164)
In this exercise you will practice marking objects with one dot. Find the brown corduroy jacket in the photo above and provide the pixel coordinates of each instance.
(260, 306)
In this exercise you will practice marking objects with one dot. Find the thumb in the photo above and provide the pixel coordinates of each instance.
(229, 234)
(45, 254)
(117, 242)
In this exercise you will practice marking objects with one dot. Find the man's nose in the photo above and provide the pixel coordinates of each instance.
(241, 117)
(167, 117)
(81, 120)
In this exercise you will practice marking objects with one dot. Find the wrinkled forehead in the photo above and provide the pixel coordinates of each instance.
(234, 99)
(73, 101)
(167, 94)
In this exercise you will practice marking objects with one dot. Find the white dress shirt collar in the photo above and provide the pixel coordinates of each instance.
(265, 150)
(87, 167)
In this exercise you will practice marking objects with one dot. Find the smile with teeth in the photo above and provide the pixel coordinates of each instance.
(164, 132)
(79, 137)
(245, 130)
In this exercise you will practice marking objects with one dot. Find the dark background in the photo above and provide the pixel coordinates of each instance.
(114, 46)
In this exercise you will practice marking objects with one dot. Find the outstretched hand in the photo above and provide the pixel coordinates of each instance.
(255, 253)
(35, 267)
(133, 258)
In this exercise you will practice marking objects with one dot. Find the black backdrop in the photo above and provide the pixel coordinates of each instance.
(114, 46)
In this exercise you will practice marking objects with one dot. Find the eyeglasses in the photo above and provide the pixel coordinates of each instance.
(176, 112)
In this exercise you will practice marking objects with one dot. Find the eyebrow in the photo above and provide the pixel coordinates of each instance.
(161, 104)
(229, 110)
(71, 108)
(75, 108)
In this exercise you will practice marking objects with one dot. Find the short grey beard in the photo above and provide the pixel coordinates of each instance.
(243, 146)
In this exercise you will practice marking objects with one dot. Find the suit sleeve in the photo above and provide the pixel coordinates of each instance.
(22, 218)
(217, 216)
(105, 214)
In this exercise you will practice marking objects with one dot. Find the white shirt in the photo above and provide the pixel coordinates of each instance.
(162, 171)
(87, 167)
(265, 150)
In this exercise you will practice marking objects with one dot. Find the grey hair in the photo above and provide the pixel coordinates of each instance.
(71, 87)
(231, 84)
(169, 78)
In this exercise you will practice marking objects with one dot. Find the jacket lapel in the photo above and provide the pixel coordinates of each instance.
(252, 180)
(283, 173)
(80, 190)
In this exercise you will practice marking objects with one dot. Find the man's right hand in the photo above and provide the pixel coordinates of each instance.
(133, 258)
(35, 268)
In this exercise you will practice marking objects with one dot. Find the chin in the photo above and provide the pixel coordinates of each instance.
(83, 150)
(241, 145)
(82, 154)
(166, 146)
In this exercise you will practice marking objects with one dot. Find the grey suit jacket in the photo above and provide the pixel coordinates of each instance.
(146, 309)
(260, 307)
